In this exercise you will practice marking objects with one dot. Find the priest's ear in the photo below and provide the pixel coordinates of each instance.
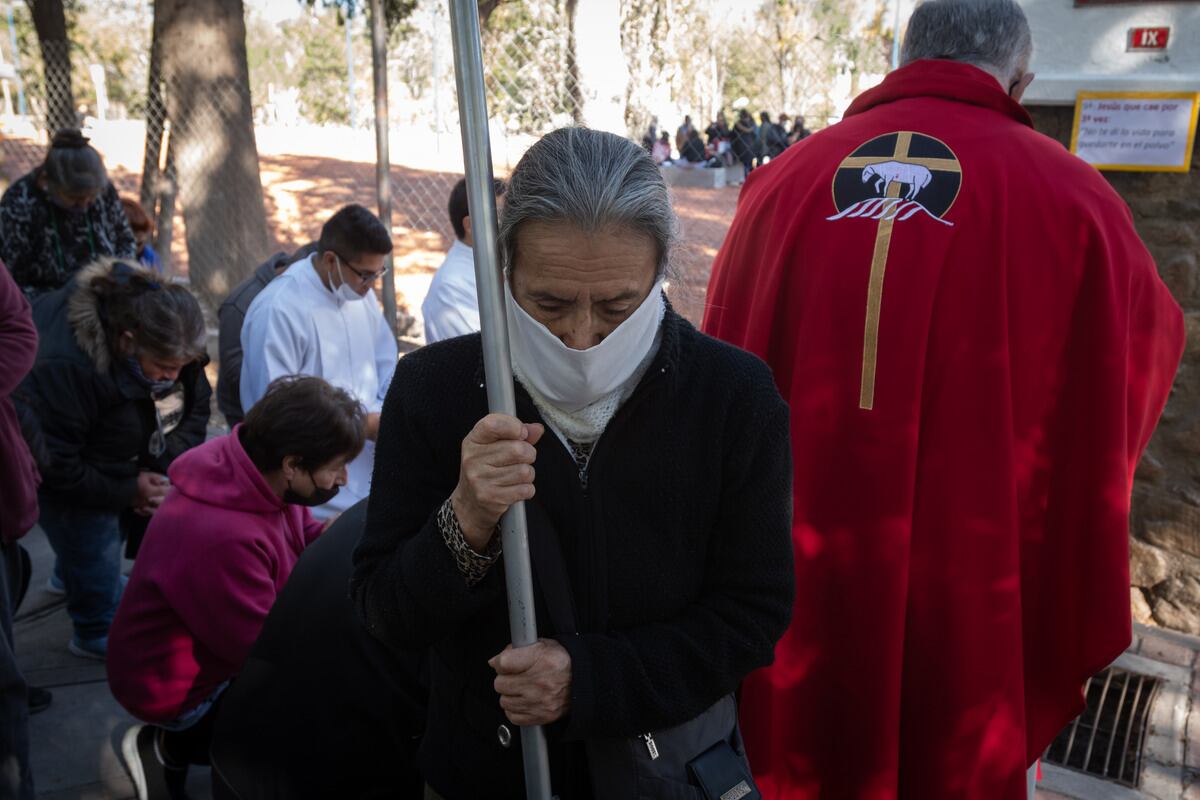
(1016, 90)
(467, 239)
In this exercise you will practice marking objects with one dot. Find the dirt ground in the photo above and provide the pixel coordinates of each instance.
(302, 189)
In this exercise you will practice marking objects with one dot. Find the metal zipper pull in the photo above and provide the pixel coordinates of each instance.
(651, 747)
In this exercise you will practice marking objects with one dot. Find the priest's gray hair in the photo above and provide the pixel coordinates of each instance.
(594, 181)
(990, 34)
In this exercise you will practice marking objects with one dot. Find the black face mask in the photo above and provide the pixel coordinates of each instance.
(319, 497)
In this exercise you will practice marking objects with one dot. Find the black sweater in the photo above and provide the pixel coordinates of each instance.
(678, 551)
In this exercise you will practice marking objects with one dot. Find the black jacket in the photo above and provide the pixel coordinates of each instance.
(231, 315)
(745, 141)
(693, 151)
(321, 709)
(93, 421)
(678, 551)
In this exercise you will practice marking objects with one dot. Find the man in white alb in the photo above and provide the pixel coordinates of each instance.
(321, 318)
(451, 307)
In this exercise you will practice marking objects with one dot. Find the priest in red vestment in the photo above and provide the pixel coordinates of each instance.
(976, 347)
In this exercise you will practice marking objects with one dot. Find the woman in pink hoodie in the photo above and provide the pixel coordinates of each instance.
(216, 554)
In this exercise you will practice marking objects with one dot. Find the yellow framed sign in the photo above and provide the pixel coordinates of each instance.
(1136, 131)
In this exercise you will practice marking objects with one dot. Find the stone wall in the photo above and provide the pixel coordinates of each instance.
(1165, 529)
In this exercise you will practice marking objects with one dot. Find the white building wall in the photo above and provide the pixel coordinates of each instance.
(1086, 48)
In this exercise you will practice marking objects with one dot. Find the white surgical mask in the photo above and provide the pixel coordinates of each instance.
(343, 291)
(573, 379)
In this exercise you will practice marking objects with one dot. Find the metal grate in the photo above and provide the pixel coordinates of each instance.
(1106, 739)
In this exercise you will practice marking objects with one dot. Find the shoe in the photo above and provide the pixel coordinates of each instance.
(96, 649)
(39, 699)
(152, 778)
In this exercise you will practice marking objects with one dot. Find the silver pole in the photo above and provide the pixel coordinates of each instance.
(383, 161)
(481, 199)
(350, 69)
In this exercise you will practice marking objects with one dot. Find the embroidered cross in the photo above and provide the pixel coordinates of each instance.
(887, 210)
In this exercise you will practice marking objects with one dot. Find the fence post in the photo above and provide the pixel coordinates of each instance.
(383, 181)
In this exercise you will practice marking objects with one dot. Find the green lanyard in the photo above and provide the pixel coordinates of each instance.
(62, 261)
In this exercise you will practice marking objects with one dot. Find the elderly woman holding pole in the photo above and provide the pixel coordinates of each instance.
(655, 467)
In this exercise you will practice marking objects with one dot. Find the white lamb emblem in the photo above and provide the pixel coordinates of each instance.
(889, 172)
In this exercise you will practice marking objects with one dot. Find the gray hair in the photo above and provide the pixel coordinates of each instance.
(593, 180)
(991, 34)
(72, 165)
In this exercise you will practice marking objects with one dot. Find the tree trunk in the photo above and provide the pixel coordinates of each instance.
(207, 86)
(601, 72)
(383, 159)
(50, 21)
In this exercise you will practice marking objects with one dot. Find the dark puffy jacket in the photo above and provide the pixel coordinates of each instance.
(93, 420)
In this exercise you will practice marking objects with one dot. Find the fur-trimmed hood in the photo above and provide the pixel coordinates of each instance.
(83, 309)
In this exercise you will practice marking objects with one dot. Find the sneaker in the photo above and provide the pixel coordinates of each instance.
(152, 778)
(96, 649)
(39, 699)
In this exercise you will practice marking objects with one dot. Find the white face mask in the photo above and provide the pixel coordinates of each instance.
(572, 379)
(343, 291)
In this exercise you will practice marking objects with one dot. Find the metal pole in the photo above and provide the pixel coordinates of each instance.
(383, 162)
(481, 199)
(350, 70)
(896, 38)
(437, 77)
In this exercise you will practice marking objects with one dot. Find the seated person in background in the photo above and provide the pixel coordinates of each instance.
(693, 150)
(231, 315)
(143, 232)
(61, 217)
(118, 391)
(662, 149)
(451, 307)
(322, 709)
(216, 555)
(320, 318)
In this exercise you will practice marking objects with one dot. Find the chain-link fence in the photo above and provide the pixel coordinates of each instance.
(232, 165)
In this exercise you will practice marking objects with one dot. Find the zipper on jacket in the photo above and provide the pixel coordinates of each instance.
(651, 747)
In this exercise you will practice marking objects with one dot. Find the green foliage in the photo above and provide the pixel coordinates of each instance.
(525, 59)
(322, 81)
(272, 54)
(116, 35)
(112, 33)
(394, 11)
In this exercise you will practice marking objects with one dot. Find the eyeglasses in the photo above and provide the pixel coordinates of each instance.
(364, 277)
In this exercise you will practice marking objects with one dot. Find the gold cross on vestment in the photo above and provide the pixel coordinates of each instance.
(883, 241)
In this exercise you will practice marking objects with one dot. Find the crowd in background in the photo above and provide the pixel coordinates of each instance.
(748, 142)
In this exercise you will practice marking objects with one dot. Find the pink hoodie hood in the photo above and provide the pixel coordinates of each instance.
(219, 473)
